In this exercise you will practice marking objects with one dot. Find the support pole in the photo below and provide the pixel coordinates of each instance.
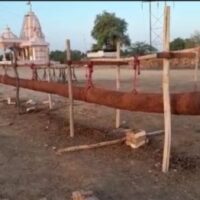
(49, 80)
(118, 84)
(196, 68)
(71, 114)
(166, 93)
(150, 25)
(14, 62)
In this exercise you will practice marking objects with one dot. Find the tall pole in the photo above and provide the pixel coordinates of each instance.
(166, 92)
(196, 68)
(118, 84)
(71, 110)
(49, 80)
(150, 25)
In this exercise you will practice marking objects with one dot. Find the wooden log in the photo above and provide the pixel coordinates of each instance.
(91, 146)
(70, 90)
(166, 93)
(184, 103)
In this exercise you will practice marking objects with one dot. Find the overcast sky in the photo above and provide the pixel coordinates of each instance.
(74, 20)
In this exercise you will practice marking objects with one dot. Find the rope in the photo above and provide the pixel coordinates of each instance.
(88, 75)
(34, 72)
(135, 63)
(60, 76)
(44, 74)
(54, 75)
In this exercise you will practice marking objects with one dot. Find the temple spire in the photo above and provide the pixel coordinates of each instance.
(30, 5)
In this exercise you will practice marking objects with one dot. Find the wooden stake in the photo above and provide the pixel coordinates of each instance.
(49, 80)
(14, 60)
(118, 84)
(166, 93)
(74, 74)
(71, 114)
(91, 146)
(196, 67)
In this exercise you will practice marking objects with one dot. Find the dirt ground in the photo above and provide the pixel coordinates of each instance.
(30, 169)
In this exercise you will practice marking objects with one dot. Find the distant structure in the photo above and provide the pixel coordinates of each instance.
(102, 54)
(30, 46)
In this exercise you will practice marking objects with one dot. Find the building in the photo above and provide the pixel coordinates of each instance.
(30, 46)
(102, 54)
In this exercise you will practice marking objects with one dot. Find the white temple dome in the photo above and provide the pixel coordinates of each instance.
(31, 27)
(8, 34)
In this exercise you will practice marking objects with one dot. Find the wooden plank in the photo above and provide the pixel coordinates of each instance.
(91, 146)
(166, 93)
(172, 55)
(71, 106)
(112, 60)
(117, 125)
(185, 53)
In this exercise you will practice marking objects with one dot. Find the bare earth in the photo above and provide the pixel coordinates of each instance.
(30, 169)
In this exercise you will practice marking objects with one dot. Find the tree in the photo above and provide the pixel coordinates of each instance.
(195, 38)
(60, 56)
(189, 43)
(77, 55)
(193, 41)
(177, 44)
(139, 48)
(108, 29)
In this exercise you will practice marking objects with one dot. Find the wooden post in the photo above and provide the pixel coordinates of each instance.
(166, 92)
(49, 80)
(14, 62)
(196, 68)
(118, 84)
(71, 114)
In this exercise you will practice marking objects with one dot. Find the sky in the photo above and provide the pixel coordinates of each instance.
(61, 20)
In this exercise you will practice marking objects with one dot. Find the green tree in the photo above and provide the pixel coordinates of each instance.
(108, 29)
(193, 41)
(177, 44)
(189, 43)
(77, 55)
(139, 48)
(195, 38)
(60, 56)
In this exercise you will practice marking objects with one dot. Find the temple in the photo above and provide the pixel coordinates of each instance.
(30, 46)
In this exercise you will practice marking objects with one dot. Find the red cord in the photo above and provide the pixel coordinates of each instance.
(136, 67)
(88, 75)
(34, 72)
(69, 62)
